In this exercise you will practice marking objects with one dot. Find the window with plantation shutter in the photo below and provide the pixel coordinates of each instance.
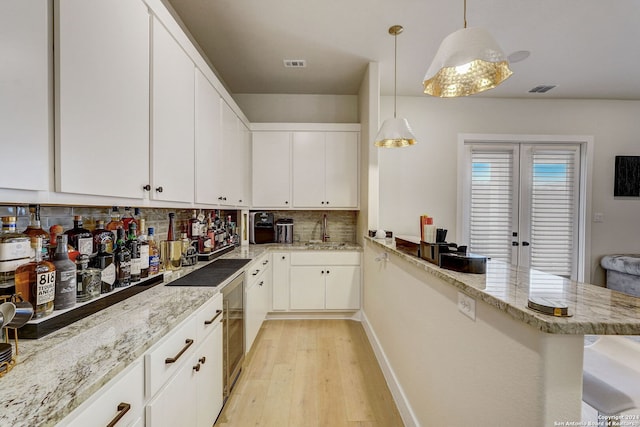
(492, 203)
(522, 204)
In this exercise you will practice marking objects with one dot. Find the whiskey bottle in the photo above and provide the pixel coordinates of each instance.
(104, 262)
(65, 276)
(15, 249)
(79, 237)
(102, 236)
(34, 229)
(36, 281)
(143, 247)
(133, 246)
(127, 218)
(171, 235)
(154, 253)
(115, 223)
(193, 228)
(122, 261)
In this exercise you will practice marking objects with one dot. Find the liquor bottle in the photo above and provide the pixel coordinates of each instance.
(115, 223)
(127, 218)
(137, 217)
(171, 235)
(65, 276)
(82, 264)
(34, 229)
(193, 228)
(122, 260)
(133, 246)
(79, 237)
(104, 261)
(102, 236)
(154, 253)
(15, 249)
(36, 281)
(143, 247)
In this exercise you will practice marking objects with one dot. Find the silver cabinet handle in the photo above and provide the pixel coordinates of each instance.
(123, 408)
(188, 342)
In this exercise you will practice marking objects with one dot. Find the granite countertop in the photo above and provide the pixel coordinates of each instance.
(55, 374)
(592, 309)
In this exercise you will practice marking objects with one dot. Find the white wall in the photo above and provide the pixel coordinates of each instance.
(423, 178)
(291, 108)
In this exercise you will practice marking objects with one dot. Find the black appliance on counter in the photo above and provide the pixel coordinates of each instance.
(262, 227)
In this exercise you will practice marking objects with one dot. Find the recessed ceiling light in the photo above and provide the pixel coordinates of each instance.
(295, 63)
(517, 56)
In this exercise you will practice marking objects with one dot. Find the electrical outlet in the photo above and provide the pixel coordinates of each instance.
(598, 217)
(467, 306)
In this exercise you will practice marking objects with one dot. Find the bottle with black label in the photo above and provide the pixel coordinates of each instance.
(79, 237)
(65, 276)
(143, 247)
(122, 261)
(104, 262)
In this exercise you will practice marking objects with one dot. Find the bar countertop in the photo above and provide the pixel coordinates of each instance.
(593, 310)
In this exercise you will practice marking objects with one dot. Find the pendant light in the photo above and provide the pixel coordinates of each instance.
(395, 132)
(468, 61)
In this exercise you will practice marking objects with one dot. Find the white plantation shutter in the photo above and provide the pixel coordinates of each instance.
(553, 210)
(492, 195)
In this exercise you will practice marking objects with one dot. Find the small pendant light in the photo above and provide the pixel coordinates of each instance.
(468, 61)
(395, 132)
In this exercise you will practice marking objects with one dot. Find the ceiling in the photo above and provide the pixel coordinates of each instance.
(587, 48)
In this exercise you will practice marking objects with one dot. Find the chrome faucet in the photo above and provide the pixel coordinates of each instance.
(325, 236)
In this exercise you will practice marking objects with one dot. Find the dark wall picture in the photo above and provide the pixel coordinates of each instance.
(627, 180)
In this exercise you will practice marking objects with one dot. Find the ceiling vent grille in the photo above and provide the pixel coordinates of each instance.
(295, 63)
(542, 89)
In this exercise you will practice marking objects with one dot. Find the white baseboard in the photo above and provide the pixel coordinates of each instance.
(306, 315)
(407, 414)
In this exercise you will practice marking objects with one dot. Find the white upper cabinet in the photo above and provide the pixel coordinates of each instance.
(172, 135)
(102, 96)
(271, 169)
(244, 166)
(325, 170)
(208, 137)
(25, 95)
(230, 192)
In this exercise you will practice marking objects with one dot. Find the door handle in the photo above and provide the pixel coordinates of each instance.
(123, 408)
(515, 244)
(188, 342)
(218, 313)
(525, 243)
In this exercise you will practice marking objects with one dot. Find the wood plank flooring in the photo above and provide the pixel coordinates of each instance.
(311, 373)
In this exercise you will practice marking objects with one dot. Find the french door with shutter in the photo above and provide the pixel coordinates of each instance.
(521, 204)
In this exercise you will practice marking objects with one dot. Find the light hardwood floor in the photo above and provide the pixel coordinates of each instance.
(306, 373)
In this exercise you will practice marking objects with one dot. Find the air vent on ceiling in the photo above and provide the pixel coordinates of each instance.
(295, 63)
(542, 88)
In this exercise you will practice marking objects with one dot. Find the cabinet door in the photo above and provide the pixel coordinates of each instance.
(280, 283)
(102, 97)
(207, 141)
(209, 378)
(308, 169)
(252, 314)
(341, 169)
(173, 119)
(271, 167)
(175, 403)
(343, 287)
(231, 190)
(244, 166)
(105, 405)
(307, 288)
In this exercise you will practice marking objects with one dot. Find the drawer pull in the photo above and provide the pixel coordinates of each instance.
(202, 360)
(218, 313)
(187, 343)
(261, 283)
(123, 408)
(196, 367)
(266, 261)
(255, 273)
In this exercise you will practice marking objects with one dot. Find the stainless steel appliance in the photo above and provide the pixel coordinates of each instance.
(261, 227)
(284, 230)
(232, 332)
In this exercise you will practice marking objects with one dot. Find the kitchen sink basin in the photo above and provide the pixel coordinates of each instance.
(325, 244)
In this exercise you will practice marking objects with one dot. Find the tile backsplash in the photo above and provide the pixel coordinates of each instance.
(341, 225)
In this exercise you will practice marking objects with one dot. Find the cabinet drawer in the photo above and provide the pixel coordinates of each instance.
(325, 258)
(256, 270)
(122, 396)
(209, 317)
(165, 359)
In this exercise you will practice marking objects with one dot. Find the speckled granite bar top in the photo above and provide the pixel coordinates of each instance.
(593, 309)
(56, 373)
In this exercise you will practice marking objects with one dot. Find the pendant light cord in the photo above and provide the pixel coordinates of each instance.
(395, 72)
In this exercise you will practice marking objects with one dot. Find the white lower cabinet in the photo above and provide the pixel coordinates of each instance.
(120, 402)
(184, 372)
(281, 280)
(258, 298)
(322, 281)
